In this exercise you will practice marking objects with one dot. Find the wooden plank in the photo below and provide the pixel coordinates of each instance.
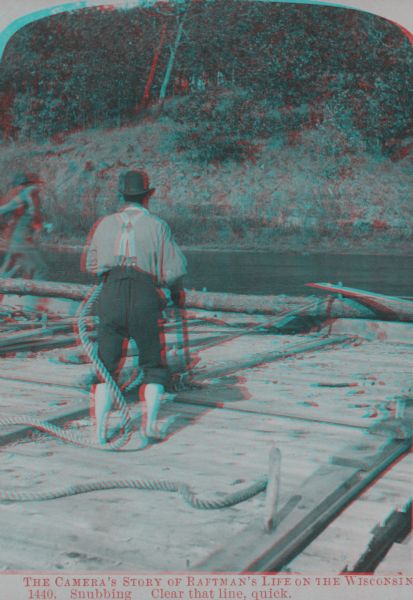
(356, 393)
(385, 332)
(390, 307)
(347, 538)
(36, 332)
(294, 388)
(364, 455)
(33, 344)
(311, 508)
(289, 396)
(258, 359)
(276, 402)
(349, 292)
(395, 529)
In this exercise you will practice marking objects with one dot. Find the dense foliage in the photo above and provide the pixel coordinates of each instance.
(231, 72)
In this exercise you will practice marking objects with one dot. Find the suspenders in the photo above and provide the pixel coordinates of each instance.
(126, 244)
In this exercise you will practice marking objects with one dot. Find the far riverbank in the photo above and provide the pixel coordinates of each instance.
(267, 272)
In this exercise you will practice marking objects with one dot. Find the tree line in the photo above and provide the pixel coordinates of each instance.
(226, 70)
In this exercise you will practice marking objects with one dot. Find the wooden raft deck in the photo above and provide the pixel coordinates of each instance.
(309, 404)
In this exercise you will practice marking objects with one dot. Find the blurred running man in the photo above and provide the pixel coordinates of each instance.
(21, 206)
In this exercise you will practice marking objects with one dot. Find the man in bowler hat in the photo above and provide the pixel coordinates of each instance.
(134, 252)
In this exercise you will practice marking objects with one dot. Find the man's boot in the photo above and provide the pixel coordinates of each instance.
(103, 404)
(152, 396)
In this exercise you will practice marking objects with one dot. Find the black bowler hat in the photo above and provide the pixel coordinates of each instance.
(135, 183)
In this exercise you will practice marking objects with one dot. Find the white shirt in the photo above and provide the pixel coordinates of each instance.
(136, 238)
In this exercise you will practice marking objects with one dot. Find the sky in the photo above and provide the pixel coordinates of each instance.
(16, 13)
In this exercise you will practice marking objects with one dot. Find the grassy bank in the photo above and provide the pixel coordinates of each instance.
(315, 192)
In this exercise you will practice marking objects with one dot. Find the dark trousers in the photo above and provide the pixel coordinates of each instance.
(129, 308)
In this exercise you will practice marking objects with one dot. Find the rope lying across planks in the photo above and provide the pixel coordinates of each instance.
(123, 440)
(142, 484)
(120, 444)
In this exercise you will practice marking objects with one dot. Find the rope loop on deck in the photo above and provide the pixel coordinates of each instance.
(183, 489)
(74, 437)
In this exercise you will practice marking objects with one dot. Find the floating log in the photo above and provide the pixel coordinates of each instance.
(73, 291)
(312, 306)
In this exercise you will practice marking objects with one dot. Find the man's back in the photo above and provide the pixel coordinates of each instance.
(134, 237)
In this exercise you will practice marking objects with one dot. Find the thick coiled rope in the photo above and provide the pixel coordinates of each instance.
(74, 438)
(118, 399)
(141, 484)
(117, 396)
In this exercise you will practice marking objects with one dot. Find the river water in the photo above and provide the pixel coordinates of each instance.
(272, 273)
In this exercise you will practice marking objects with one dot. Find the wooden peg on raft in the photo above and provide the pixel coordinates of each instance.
(273, 488)
(400, 408)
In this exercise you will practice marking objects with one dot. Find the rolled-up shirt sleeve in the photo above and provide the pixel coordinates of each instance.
(13, 205)
(91, 264)
(172, 263)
